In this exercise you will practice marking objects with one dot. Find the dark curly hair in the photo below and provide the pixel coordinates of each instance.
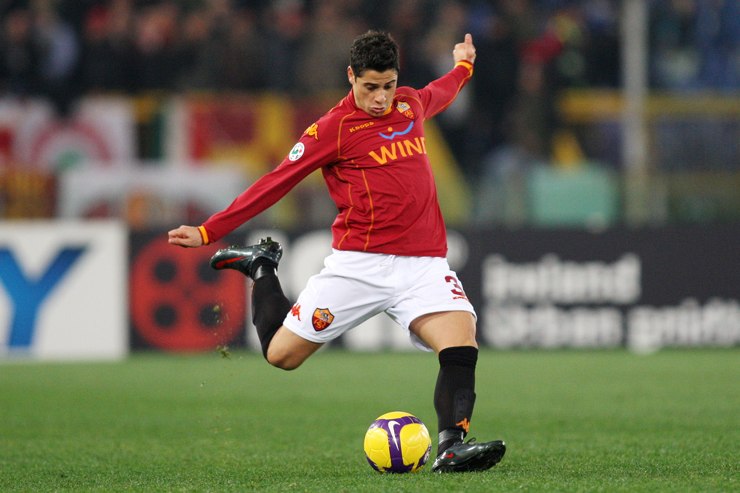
(374, 50)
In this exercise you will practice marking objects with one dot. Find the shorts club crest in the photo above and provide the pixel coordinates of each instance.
(322, 318)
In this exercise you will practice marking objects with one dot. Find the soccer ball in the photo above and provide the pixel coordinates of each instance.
(397, 442)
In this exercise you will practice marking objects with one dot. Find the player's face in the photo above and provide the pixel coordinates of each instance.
(373, 90)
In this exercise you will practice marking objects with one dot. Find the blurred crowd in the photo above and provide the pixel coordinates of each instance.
(528, 50)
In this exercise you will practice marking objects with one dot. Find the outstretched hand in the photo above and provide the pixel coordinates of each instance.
(465, 50)
(185, 236)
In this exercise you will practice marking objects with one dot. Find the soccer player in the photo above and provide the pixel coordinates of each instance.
(389, 239)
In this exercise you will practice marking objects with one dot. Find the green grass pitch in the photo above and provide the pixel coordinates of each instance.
(573, 421)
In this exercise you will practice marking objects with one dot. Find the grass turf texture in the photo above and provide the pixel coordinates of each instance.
(573, 421)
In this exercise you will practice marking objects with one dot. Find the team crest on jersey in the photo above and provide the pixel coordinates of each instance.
(322, 318)
(405, 109)
(313, 131)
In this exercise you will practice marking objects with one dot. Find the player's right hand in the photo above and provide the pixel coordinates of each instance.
(465, 50)
(185, 236)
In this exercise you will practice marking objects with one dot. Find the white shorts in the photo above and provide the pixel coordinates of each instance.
(355, 286)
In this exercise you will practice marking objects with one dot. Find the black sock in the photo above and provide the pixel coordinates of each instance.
(454, 394)
(269, 305)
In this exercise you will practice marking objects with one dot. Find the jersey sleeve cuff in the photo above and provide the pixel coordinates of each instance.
(204, 235)
(466, 64)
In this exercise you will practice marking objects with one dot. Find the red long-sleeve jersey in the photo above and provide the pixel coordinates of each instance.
(376, 169)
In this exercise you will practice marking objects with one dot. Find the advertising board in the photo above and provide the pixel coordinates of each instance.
(63, 290)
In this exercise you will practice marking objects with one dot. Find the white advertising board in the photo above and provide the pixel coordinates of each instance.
(63, 290)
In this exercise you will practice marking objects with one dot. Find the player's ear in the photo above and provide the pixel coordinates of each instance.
(350, 75)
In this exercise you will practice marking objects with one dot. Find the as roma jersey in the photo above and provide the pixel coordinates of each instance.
(376, 169)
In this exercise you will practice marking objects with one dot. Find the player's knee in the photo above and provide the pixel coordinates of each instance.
(283, 360)
(468, 338)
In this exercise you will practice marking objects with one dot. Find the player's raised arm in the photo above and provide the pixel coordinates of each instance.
(464, 51)
(440, 93)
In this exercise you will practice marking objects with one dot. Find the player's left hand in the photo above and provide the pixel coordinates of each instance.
(465, 50)
(185, 236)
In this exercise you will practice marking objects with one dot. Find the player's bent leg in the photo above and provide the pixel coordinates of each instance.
(288, 351)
